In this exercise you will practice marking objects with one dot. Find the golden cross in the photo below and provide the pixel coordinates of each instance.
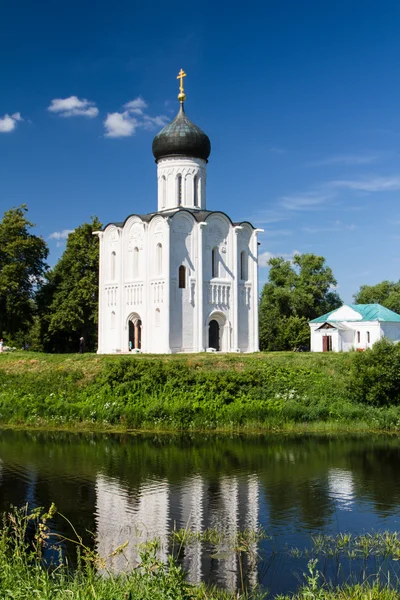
(181, 75)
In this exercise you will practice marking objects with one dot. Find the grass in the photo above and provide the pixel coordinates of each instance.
(291, 392)
(33, 565)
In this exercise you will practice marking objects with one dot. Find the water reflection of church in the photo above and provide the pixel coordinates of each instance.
(156, 506)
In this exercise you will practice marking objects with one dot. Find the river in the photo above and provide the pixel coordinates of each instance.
(115, 488)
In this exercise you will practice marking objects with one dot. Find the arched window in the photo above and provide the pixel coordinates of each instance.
(196, 191)
(182, 277)
(243, 265)
(113, 261)
(157, 318)
(215, 262)
(113, 320)
(135, 266)
(159, 259)
(163, 191)
(179, 190)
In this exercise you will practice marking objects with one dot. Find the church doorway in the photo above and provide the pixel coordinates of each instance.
(214, 335)
(135, 334)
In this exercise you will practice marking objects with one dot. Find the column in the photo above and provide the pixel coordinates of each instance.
(200, 290)
(235, 292)
(100, 235)
(254, 290)
(166, 319)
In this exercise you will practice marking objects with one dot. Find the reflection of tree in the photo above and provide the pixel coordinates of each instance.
(377, 480)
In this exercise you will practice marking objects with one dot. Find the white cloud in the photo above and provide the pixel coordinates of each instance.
(374, 184)
(264, 257)
(60, 235)
(73, 107)
(268, 233)
(136, 106)
(152, 122)
(120, 125)
(125, 124)
(344, 159)
(305, 201)
(8, 123)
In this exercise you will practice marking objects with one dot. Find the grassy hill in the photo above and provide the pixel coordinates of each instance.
(265, 391)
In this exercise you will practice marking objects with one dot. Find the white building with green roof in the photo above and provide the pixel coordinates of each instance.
(353, 327)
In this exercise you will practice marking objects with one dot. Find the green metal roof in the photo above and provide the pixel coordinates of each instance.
(369, 312)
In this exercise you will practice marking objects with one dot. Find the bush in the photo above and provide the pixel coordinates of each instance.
(375, 375)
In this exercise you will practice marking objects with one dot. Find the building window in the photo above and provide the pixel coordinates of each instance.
(215, 262)
(179, 190)
(182, 277)
(368, 338)
(113, 320)
(159, 259)
(163, 191)
(157, 318)
(196, 191)
(135, 263)
(358, 337)
(243, 265)
(113, 261)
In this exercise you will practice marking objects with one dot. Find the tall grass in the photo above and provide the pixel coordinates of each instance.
(192, 392)
(32, 565)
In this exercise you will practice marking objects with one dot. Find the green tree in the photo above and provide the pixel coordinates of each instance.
(297, 291)
(22, 266)
(68, 301)
(386, 293)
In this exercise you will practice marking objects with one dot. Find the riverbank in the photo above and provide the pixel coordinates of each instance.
(259, 392)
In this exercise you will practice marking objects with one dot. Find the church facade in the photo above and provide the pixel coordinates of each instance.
(181, 279)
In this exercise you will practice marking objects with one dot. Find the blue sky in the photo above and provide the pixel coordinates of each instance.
(299, 98)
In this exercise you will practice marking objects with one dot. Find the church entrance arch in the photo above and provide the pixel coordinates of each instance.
(214, 335)
(135, 332)
(218, 332)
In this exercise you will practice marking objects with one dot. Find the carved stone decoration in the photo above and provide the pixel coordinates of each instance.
(215, 232)
(113, 236)
(159, 227)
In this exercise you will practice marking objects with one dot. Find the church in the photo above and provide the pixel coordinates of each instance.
(182, 278)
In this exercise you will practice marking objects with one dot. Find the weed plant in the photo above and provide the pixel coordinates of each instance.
(32, 565)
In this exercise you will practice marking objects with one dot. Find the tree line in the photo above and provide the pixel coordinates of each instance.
(49, 309)
(43, 308)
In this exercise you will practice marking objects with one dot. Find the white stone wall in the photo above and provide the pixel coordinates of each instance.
(139, 283)
(193, 183)
(355, 336)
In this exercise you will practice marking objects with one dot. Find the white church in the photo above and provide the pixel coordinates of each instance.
(183, 278)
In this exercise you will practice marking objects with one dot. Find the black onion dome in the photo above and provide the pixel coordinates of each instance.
(181, 137)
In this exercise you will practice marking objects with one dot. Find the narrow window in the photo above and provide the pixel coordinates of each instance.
(215, 262)
(243, 265)
(179, 189)
(182, 277)
(135, 263)
(157, 318)
(196, 191)
(368, 338)
(159, 259)
(113, 320)
(163, 191)
(113, 261)
(358, 337)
